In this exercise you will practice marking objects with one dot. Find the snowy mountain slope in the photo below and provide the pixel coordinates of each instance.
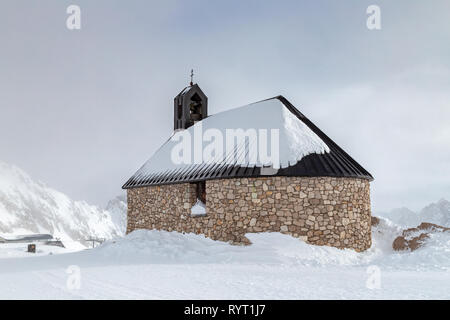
(27, 206)
(402, 216)
(438, 213)
(117, 208)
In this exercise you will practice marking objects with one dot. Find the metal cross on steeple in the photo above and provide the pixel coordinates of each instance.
(192, 77)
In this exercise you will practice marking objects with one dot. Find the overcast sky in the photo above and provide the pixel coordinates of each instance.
(82, 110)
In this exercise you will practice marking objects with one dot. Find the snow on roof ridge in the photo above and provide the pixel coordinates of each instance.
(247, 105)
(296, 139)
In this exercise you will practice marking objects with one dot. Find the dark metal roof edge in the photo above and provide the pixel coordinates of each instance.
(245, 176)
(183, 92)
(331, 144)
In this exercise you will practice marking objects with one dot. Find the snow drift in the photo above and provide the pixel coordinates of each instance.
(162, 247)
(168, 265)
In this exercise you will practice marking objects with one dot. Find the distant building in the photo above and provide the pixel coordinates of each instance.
(316, 191)
(28, 238)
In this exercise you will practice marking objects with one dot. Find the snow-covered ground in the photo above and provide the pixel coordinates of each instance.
(168, 265)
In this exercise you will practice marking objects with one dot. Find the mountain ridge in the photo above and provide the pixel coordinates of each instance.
(28, 206)
(435, 212)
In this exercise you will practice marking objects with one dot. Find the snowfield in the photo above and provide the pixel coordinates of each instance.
(168, 265)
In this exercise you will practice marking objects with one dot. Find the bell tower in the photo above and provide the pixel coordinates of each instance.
(190, 106)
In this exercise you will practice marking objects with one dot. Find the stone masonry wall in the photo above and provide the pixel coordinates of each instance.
(319, 210)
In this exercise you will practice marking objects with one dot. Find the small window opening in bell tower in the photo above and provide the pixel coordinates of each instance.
(195, 108)
(179, 110)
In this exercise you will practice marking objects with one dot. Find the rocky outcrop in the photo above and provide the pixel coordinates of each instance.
(414, 238)
(374, 221)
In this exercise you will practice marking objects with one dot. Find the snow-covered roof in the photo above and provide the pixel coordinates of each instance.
(304, 150)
